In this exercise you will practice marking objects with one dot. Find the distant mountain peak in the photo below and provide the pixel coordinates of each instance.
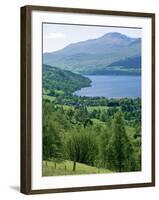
(95, 54)
(116, 39)
(115, 34)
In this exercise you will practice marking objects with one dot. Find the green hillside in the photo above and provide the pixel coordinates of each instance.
(65, 168)
(59, 81)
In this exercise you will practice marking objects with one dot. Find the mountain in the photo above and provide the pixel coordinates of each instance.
(127, 66)
(95, 55)
(134, 62)
(57, 80)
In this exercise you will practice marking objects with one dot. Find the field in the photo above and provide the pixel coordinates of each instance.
(67, 107)
(65, 168)
(47, 97)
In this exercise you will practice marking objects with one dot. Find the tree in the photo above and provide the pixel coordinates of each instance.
(111, 111)
(72, 147)
(52, 143)
(120, 150)
(103, 146)
(81, 115)
(137, 147)
(81, 146)
(103, 116)
(52, 134)
(88, 145)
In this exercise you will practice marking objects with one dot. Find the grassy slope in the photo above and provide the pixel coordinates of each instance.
(51, 98)
(65, 168)
(102, 108)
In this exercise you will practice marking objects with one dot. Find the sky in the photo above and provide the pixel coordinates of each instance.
(57, 36)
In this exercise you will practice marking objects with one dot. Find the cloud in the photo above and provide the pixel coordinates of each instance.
(54, 36)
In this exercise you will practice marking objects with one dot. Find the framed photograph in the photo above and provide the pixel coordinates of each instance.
(87, 99)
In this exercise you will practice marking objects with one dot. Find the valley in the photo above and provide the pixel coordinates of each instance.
(79, 132)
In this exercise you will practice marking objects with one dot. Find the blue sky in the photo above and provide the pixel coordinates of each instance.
(57, 36)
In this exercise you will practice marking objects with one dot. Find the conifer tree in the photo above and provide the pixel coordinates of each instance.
(120, 151)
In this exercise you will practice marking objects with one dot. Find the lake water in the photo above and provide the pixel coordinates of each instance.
(112, 87)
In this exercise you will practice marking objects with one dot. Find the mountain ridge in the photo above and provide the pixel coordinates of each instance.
(94, 54)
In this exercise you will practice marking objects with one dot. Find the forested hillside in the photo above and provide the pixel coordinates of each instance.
(58, 80)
